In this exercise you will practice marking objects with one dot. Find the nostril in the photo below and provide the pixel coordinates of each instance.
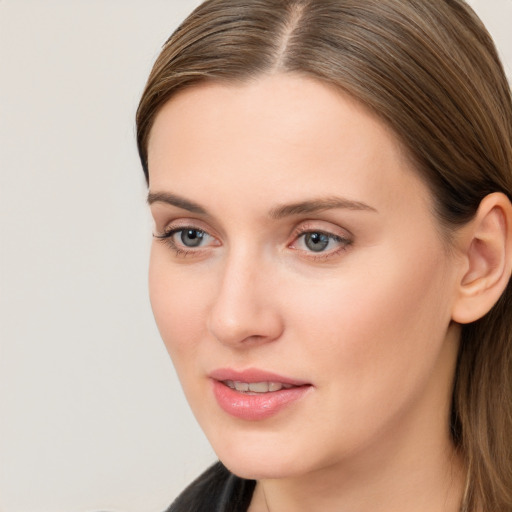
(246, 327)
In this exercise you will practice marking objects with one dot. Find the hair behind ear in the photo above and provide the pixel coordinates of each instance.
(482, 407)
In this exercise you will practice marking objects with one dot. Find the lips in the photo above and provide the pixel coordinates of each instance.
(253, 394)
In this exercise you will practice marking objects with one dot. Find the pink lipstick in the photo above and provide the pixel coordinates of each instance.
(253, 394)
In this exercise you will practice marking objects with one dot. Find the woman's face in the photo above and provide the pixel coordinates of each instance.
(298, 261)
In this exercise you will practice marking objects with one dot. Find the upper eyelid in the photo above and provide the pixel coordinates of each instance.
(312, 226)
(184, 223)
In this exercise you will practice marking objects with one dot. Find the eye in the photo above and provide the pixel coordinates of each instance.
(185, 240)
(316, 242)
(320, 243)
(191, 237)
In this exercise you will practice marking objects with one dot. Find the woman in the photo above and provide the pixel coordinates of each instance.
(330, 182)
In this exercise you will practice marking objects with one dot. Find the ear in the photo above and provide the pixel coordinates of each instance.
(486, 245)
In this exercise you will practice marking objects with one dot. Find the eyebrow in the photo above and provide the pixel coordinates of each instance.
(180, 202)
(318, 205)
(276, 213)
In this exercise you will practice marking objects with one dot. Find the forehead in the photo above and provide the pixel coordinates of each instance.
(281, 132)
(289, 103)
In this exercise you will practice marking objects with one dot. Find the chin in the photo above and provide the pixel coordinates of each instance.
(259, 470)
(255, 460)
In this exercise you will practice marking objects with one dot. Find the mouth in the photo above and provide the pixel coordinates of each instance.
(256, 388)
(254, 395)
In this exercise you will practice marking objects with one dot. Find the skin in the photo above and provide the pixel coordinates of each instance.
(367, 321)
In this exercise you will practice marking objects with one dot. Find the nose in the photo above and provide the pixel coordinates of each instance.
(244, 310)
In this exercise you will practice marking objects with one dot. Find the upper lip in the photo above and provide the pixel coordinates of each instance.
(251, 375)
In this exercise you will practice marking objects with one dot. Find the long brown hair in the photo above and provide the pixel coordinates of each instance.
(431, 71)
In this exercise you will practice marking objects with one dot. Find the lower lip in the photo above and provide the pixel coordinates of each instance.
(258, 406)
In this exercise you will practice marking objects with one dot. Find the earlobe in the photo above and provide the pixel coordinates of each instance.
(487, 255)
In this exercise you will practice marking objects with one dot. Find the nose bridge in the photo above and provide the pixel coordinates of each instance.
(243, 308)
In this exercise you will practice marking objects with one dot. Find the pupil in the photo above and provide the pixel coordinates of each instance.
(191, 237)
(317, 242)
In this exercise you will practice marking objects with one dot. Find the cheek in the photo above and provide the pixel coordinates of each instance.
(178, 303)
(382, 321)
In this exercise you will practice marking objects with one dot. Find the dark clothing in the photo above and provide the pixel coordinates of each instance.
(216, 490)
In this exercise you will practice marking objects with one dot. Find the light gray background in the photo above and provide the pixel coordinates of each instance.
(91, 414)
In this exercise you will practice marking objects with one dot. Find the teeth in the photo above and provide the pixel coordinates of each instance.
(241, 386)
(275, 386)
(256, 387)
(259, 387)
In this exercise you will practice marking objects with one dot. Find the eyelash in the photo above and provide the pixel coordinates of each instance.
(180, 251)
(302, 231)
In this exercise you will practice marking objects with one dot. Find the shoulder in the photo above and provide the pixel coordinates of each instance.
(216, 490)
